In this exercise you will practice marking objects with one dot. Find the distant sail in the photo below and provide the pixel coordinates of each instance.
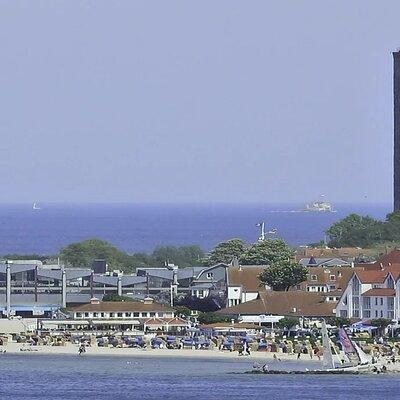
(364, 358)
(35, 207)
(347, 347)
(327, 361)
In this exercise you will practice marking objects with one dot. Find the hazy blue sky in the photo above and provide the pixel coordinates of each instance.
(181, 101)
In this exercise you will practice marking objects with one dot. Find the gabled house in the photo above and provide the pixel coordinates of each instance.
(371, 294)
(244, 284)
(271, 306)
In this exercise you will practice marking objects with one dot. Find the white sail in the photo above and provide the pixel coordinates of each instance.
(327, 361)
(364, 358)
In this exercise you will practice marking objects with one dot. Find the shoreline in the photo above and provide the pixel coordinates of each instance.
(71, 349)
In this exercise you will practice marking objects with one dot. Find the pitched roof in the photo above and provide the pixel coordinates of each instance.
(380, 292)
(371, 276)
(120, 306)
(392, 257)
(322, 276)
(296, 303)
(323, 261)
(247, 277)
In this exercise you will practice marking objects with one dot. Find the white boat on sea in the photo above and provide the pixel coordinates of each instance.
(319, 206)
(35, 207)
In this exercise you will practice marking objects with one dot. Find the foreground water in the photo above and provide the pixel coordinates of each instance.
(73, 377)
(140, 228)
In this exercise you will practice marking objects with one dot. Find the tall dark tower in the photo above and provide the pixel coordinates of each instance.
(396, 93)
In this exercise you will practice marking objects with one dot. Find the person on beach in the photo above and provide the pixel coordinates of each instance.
(298, 355)
(82, 349)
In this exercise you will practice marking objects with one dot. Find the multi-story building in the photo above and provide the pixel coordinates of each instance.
(371, 293)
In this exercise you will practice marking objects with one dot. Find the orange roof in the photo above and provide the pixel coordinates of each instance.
(296, 303)
(372, 276)
(380, 292)
(246, 276)
(391, 258)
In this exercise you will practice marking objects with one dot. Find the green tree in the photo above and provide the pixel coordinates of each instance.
(116, 297)
(283, 274)
(287, 322)
(184, 256)
(381, 324)
(83, 254)
(267, 252)
(356, 231)
(224, 252)
(391, 228)
(338, 321)
(182, 311)
(211, 318)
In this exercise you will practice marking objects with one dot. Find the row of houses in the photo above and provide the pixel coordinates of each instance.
(332, 288)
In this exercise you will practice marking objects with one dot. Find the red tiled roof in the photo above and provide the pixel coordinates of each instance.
(372, 276)
(246, 276)
(391, 258)
(380, 292)
(296, 303)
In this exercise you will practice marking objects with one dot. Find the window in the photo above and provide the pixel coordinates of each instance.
(332, 277)
(356, 302)
(381, 314)
(112, 315)
(95, 315)
(376, 301)
(381, 301)
(78, 315)
(356, 313)
(145, 314)
(119, 315)
(128, 314)
(367, 314)
(376, 313)
(136, 314)
(210, 275)
(102, 315)
(343, 313)
(390, 314)
(313, 277)
(366, 302)
(332, 287)
(200, 293)
(152, 314)
(86, 314)
(356, 286)
(160, 314)
(390, 303)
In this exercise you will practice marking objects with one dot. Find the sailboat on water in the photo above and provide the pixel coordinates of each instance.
(359, 361)
(35, 207)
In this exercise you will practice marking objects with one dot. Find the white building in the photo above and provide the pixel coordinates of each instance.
(371, 293)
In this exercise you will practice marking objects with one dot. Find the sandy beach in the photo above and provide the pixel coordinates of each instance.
(72, 349)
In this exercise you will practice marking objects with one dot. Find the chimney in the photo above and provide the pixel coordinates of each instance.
(94, 300)
(148, 300)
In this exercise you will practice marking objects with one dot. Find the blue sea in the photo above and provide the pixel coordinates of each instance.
(140, 228)
(48, 377)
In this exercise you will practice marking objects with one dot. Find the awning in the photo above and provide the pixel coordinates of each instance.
(63, 322)
(115, 322)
